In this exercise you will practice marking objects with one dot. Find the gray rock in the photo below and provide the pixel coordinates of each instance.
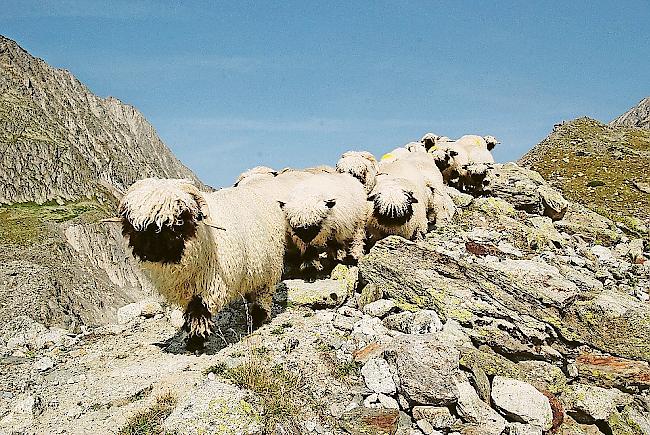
(215, 408)
(363, 421)
(376, 374)
(594, 402)
(318, 294)
(343, 322)
(522, 429)
(128, 313)
(44, 364)
(425, 368)
(379, 308)
(425, 322)
(369, 294)
(522, 401)
(476, 412)
(438, 416)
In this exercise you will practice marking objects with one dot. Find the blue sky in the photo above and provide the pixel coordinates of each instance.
(230, 85)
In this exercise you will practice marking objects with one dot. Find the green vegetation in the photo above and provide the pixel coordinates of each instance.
(595, 165)
(25, 224)
(149, 421)
(276, 388)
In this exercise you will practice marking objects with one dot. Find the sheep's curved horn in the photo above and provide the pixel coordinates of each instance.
(111, 219)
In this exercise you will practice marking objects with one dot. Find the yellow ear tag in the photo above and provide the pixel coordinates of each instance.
(387, 156)
(433, 148)
(477, 141)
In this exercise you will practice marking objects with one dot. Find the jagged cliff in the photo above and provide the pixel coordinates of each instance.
(58, 141)
(64, 155)
(637, 116)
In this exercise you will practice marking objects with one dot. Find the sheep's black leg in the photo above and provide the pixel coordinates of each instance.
(198, 323)
(259, 314)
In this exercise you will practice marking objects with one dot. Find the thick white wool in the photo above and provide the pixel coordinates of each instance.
(360, 164)
(476, 148)
(244, 257)
(415, 147)
(159, 202)
(254, 174)
(421, 170)
(391, 194)
(343, 222)
(278, 187)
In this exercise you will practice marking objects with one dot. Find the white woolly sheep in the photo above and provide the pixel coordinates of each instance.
(327, 213)
(398, 208)
(464, 162)
(415, 147)
(430, 140)
(362, 165)
(172, 229)
(421, 169)
(255, 174)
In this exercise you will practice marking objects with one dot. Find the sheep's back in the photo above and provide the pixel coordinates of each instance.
(250, 247)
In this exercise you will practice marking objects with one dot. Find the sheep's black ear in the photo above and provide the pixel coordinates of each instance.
(282, 204)
(411, 197)
(490, 146)
(274, 173)
(453, 153)
(372, 197)
(330, 203)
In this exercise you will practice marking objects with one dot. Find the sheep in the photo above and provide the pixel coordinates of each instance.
(415, 147)
(327, 213)
(172, 230)
(360, 164)
(430, 140)
(254, 174)
(421, 169)
(465, 161)
(398, 208)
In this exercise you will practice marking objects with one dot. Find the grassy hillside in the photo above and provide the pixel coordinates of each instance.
(602, 167)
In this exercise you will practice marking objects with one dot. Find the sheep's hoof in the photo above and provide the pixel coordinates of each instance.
(195, 343)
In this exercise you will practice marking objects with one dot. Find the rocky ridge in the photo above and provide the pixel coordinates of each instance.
(637, 116)
(527, 315)
(600, 166)
(64, 155)
(60, 142)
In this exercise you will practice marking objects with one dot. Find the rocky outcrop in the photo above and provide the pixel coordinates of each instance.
(59, 142)
(637, 116)
(602, 167)
(503, 322)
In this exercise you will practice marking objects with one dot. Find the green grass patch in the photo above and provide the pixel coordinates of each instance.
(26, 223)
(275, 387)
(149, 421)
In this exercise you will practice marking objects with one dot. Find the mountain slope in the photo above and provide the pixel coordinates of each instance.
(602, 167)
(59, 142)
(64, 156)
(637, 116)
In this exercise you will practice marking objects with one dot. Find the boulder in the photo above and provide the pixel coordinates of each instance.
(376, 374)
(426, 369)
(521, 401)
(476, 412)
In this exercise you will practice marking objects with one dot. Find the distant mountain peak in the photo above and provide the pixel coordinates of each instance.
(60, 142)
(637, 116)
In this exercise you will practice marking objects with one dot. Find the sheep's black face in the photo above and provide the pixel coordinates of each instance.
(307, 233)
(392, 215)
(428, 143)
(165, 245)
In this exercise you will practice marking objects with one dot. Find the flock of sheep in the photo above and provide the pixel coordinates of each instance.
(203, 250)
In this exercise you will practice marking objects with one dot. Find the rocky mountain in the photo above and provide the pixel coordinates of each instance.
(64, 155)
(637, 116)
(526, 315)
(603, 167)
(59, 142)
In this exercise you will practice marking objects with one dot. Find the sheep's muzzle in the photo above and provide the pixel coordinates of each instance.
(393, 216)
(307, 233)
(161, 245)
